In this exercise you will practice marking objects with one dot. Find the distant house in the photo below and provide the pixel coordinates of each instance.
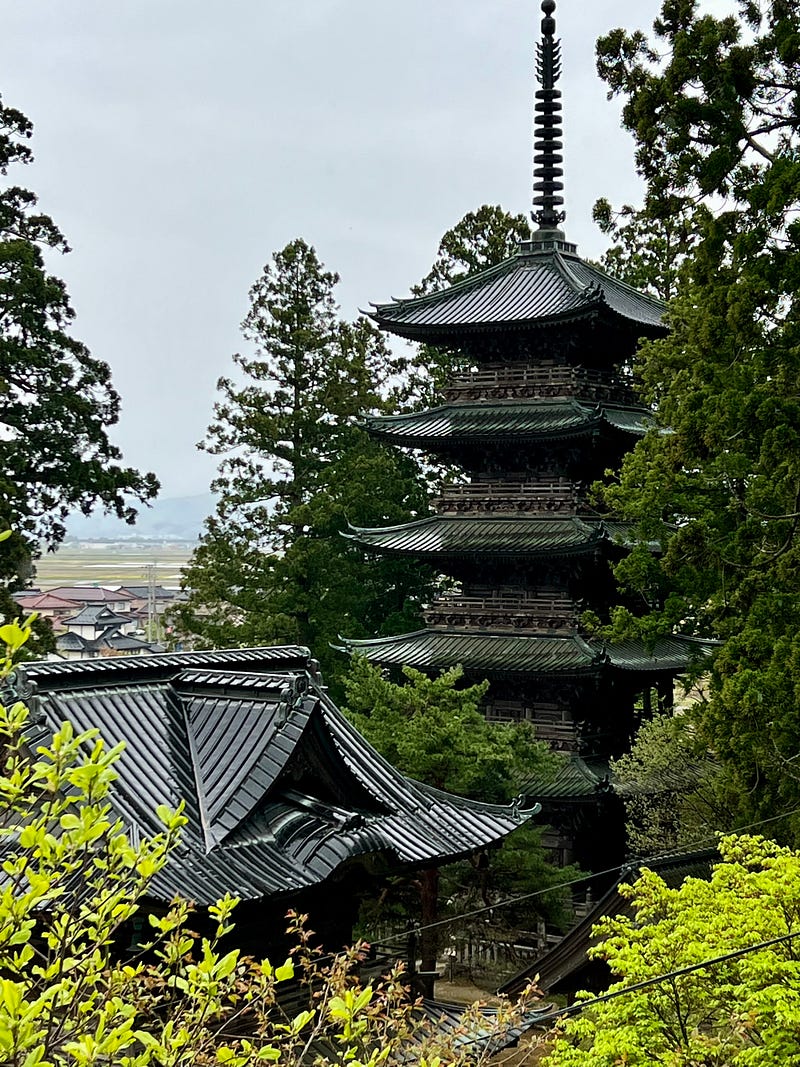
(48, 606)
(116, 599)
(95, 619)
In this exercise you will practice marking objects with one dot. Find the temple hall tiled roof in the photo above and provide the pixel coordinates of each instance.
(280, 789)
(521, 420)
(467, 535)
(532, 289)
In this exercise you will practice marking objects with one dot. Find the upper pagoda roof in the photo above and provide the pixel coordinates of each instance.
(280, 789)
(522, 420)
(504, 536)
(538, 288)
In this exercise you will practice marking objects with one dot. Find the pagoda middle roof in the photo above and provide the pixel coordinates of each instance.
(484, 652)
(507, 653)
(517, 419)
(531, 289)
(467, 535)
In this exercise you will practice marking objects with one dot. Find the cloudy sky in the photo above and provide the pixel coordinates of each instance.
(180, 142)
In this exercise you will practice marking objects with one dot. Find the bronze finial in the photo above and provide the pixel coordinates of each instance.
(547, 171)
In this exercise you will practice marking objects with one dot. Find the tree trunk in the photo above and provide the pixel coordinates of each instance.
(429, 913)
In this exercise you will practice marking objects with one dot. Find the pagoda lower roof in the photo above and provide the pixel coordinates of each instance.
(504, 653)
(532, 289)
(576, 778)
(529, 420)
(519, 537)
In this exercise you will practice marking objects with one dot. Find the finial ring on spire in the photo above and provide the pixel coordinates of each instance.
(548, 160)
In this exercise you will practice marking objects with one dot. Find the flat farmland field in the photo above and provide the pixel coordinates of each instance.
(111, 563)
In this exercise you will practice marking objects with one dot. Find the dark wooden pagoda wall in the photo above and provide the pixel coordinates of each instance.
(546, 479)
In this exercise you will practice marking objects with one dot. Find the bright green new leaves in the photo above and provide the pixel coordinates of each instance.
(743, 1012)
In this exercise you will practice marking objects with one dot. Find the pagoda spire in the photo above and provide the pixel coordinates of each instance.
(547, 170)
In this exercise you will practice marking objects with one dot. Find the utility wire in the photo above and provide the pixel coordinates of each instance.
(579, 1006)
(708, 840)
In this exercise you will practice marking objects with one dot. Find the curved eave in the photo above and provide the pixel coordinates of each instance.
(670, 655)
(419, 539)
(486, 653)
(444, 331)
(437, 440)
(505, 654)
(531, 290)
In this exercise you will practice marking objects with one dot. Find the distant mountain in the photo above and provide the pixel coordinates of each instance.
(170, 519)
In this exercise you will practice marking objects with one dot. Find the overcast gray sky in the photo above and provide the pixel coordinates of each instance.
(178, 144)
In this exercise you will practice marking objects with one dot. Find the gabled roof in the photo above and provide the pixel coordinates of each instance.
(520, 420)
(280, 789)
(484, 652)
(534, 289)
(516, 537)
(97, 615)
(89, 594)
(43, 602)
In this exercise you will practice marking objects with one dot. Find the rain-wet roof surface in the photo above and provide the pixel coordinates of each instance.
(280, 789)
(528, 290)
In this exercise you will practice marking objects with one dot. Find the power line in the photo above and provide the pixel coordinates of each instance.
(710, 839)
(574, 1009)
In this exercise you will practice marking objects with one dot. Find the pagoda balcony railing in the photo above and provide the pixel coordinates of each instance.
(557, 495)
(530, 614)
(509, 382)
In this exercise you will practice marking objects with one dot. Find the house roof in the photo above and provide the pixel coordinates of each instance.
(141, 592)
(563, 968)
(89, 594)
(97, 615)
(518, 420)
(280, 789)
(519, 536)
(537, 288)
(43, 602)
(484, 652)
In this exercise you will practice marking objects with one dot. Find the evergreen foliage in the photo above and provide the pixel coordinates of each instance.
(713, 105)
(295, 468)
(57, 402)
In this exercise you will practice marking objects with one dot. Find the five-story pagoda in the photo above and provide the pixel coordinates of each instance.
(546, 408)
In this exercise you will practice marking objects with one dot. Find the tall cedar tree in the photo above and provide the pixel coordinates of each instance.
(56, 400)
(271, 565)
(714, 106)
